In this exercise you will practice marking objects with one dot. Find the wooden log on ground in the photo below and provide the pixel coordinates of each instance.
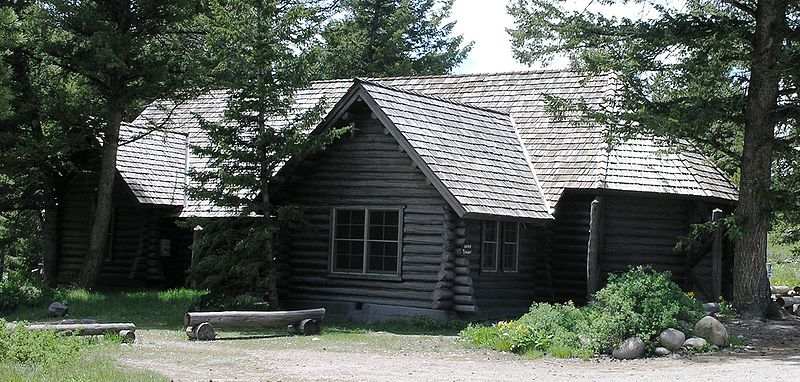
(190, 333)
(205, 332)
(254, 318)
(786, 301)
(85, 329)
(127, 336)
(779, 289)
(796, 309)
(308, 327)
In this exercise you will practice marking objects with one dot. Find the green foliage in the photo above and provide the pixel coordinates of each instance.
(46, 355)
(19, 345)
(15, 290)
(391, 38)
(641, 304)
(637, 303)
(148, 309)
(710, 75)
(261, 53)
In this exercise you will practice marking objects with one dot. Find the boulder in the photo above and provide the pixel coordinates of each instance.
(631, 348)
(695, 342)
(58, 309)
(662, 351)
(672, 339)
(776, 311)
(712, 330)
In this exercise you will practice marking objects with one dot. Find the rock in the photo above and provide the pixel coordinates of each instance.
(672, 339)
(662, 351)
(58, 309)
(631, 348)
(695, 342)
(776, 312)
(711, 307)
(712, 330)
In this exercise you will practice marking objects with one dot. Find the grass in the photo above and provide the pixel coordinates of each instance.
(94, 365)
(161, 314)
(785, 264)
(146, 309)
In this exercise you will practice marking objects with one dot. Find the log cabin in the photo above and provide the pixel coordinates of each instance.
(449, 196)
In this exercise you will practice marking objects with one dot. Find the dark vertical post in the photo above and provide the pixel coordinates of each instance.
(198, 230)
(716, 256)
(594, 247)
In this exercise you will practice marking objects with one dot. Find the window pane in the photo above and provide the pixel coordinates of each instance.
(349, 255)
(489, 246)
(510, 246)
(349, 224)
(383, 241)
(382, 257)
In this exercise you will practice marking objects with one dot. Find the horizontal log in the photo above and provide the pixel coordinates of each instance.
(442, 294)
(445, 275)
(465, 308)
(786, 301)
(442, 305)
(464, 290)
(254, 318)
(463, 280)
(779, 289)
(84, 329)
(464, 300)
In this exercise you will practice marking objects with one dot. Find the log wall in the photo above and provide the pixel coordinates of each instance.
(502, 294)
(366, 167)
(134, 260)
(636, 230)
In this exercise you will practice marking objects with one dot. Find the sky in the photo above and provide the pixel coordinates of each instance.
(485, 23)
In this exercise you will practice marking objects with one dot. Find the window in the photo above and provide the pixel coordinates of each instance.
(500, 244)
(366, 241)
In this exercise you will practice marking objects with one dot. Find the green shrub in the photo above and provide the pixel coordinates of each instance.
(546, 328)
(19, 345)
(16, 291)
(637, 303)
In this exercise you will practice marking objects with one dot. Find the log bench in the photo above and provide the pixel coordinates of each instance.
(126, 331)
(201, 325)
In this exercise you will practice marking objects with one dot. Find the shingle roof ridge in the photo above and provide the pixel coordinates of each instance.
(152, 130)
(332, 81)
(433, 97)
(461, 75)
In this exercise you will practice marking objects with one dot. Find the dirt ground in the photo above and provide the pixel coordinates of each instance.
(771, 353)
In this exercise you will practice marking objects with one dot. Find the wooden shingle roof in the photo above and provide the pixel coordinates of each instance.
(564, 154)
(473, 155)
(153, 164)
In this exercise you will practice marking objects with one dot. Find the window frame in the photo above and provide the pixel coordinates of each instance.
(499, 245)
(365, 272)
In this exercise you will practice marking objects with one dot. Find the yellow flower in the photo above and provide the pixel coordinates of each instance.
(690, 294)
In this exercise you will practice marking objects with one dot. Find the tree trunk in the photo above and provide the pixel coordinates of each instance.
(750, 284)
(49, 221)
(104, 202)
(269, 248)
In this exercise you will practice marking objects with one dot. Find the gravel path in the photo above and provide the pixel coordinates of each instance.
(772, 353)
